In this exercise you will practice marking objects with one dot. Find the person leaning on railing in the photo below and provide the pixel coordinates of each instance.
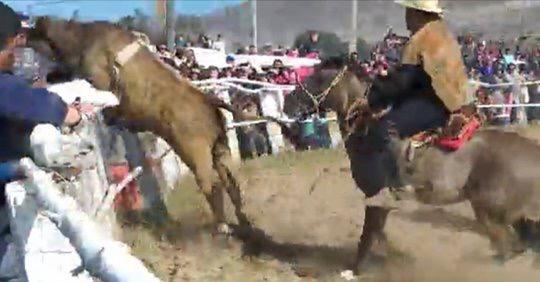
(21, 108)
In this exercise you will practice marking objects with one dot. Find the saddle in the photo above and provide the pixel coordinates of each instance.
(460, 128)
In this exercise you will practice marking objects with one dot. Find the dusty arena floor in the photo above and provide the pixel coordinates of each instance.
(311, 232)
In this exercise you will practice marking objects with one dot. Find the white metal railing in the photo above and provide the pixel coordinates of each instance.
(285, 120)
(232, 80)
(532, 105)
(226, 83)
(101, 256)
(487, 85)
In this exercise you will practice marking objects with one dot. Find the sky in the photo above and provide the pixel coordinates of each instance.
(112, 9)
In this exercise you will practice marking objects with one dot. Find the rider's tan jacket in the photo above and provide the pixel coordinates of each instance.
(435, 48)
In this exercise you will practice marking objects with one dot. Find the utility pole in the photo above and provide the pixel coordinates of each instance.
(170, 24)
(29, 11)
(354, 25)
(254, 21)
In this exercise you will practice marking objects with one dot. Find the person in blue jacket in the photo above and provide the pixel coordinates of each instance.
(21, 108)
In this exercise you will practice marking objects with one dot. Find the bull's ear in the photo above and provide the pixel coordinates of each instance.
(40, 29)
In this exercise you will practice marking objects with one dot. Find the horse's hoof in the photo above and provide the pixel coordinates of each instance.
(348, 275)
(224, 229)
(500, 259)
(504, 258)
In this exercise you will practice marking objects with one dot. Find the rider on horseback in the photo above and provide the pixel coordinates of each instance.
(431, 58)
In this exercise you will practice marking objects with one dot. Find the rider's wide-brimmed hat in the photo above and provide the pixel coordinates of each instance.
(431, 6)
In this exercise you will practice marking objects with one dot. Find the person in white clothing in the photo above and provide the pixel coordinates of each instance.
(219, 44)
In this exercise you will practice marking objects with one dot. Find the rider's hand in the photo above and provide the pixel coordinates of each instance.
(39, 83)
(73, 116)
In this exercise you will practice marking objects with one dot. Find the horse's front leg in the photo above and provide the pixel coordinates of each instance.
(374, 222)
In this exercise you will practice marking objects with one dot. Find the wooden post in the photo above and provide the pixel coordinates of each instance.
(333, 130)
(271, 102)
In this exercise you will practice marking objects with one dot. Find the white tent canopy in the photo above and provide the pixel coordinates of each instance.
(210, 57)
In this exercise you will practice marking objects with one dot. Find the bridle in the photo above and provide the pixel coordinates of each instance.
(358, 113)
(317, 99)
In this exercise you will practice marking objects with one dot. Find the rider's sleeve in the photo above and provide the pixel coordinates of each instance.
(18, 101)
(10, 171)
(403, 82)
(411, 53)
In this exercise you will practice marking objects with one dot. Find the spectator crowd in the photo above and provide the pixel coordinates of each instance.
(183, 59)
(491, 62)
(499, 63)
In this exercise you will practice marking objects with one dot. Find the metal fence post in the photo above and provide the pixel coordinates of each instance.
(271, 102)
(333, 130)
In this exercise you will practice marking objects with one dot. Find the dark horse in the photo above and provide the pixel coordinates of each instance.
(495, 170)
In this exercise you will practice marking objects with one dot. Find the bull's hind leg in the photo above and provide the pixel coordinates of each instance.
(198, 157)
(374, 222)
(502, 235)
(222, 162)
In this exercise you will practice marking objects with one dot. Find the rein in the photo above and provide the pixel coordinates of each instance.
(321, 97)
(360, 114)
(359, 111)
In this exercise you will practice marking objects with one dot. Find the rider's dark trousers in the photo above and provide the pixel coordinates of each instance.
(413, 110)
(408, 117)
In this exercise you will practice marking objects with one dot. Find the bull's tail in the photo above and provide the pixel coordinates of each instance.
(218, 103)
(290, 132)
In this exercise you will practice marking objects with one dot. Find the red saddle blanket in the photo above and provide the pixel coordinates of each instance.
(450, 141)
(467, 132)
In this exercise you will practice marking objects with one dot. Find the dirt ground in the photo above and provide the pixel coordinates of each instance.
(309, 232)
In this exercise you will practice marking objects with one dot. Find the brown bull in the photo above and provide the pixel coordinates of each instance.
(152, 98)
(496, 171)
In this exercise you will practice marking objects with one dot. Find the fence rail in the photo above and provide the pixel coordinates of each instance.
(101, 256)
(506, 84)
(532, 105)
(285, 120)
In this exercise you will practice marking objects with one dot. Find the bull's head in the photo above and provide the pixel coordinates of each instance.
(58, 41)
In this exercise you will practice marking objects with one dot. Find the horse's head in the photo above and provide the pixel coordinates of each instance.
(330, 87)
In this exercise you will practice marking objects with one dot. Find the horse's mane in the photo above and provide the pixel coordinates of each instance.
(332, 63)
(338, 63)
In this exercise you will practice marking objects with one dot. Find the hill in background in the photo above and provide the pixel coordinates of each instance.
(280, 21)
